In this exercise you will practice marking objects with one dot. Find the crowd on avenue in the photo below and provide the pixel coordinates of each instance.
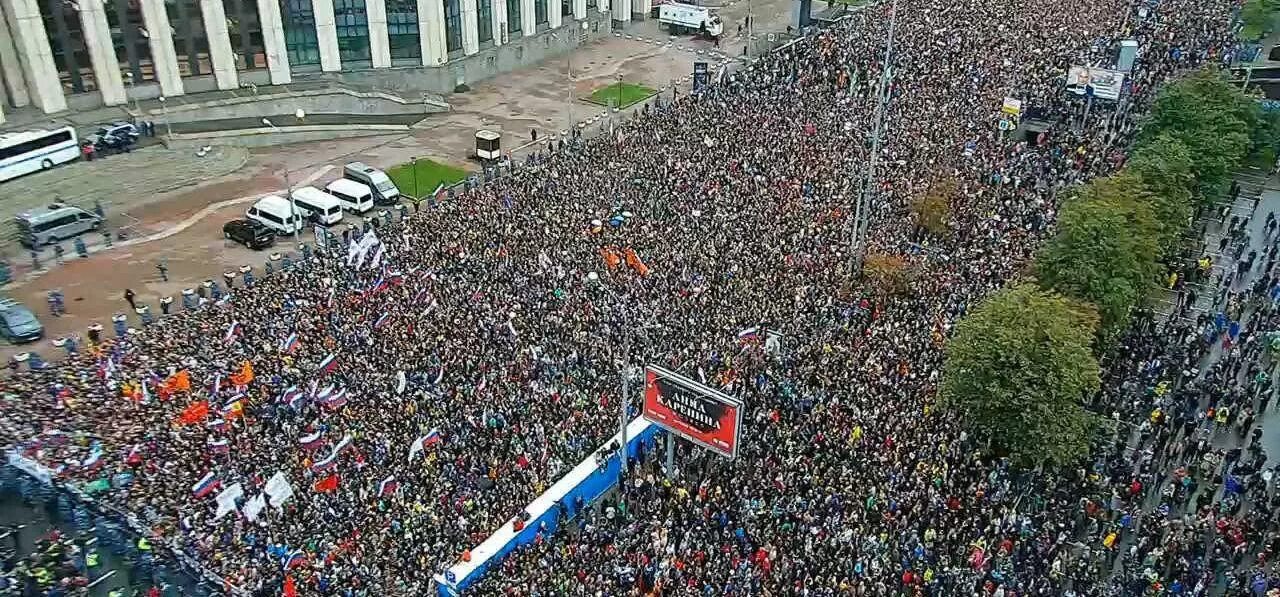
(414, 392)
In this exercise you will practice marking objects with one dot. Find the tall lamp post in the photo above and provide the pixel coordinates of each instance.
(168, 130)
(293, 207)
(133, 90)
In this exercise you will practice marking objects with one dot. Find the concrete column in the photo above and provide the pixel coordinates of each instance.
(431, 32)
(470, 28)
(622, 10)
(220, 52)
(499, 14)
(34, 54)
(1, 116)
(553, 14)
(379, 44)
(326, 35)
(11, 66)
(579, 10)
(527, 18)
(273, 42)
(102, 52)
(640, 9)
(160, 37)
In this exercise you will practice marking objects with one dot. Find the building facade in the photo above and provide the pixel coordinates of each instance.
(59, 55)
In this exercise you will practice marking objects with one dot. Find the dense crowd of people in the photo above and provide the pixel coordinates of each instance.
(416, 393)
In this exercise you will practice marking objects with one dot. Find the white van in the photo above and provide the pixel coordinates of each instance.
(320, 207)
(384, 191)
(275, 213)
(354, 197)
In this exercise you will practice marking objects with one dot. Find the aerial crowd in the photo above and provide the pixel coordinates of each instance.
(417, 392)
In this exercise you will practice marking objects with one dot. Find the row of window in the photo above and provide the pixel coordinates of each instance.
(64, 28)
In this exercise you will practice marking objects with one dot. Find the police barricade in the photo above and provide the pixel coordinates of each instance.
(590, 480)
(116, 530)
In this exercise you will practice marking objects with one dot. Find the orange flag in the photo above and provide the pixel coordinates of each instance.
(633, 260)
(194, 413)
(245, 376)
(611, 258)
(326, 484)
(289, 589)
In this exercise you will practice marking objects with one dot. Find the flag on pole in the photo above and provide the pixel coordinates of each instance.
(205, 485)
(326, 464)
(194, 413)
(311, 441)
(292, 560)
(219, 446)
(430, 439)
(382, 320)
(328, 364)
(233, 330)
(327, 484)
(288, 345)
(388, 486)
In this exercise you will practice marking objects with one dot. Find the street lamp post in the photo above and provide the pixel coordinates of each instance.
(168, 130)
(414, 164)
(293, 207)
(133, 90)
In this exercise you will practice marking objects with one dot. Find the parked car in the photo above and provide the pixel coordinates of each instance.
(116, 135)
(249, 233)
(18, 324)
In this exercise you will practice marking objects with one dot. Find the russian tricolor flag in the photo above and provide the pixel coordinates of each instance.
(291, 394)
(323, 395)
(294, 559)
(388, 486)
(749, 335)
(432, 438)
(396, 277)
(311, 441)
(328, 364)
(378, 285)
(94, 459)
(232, 331)
(205, 485)
(289, 344)
(336, 400)
(382, 320)
(219, 446)
(326, 464)
(219, 425)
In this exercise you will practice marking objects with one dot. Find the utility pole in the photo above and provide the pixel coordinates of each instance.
(622, 417)
(862, 209)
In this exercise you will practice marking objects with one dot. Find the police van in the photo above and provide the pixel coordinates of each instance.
(54, 223)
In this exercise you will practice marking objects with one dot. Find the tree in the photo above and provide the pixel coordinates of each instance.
(888, 274)
(1105, 249)
(934, 208)
(1163, 168)
(1213, 119)
(1016, 371)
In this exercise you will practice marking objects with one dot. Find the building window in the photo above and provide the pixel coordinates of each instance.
(189, 38)
(539, 12)
(245, 31)
(353, 30)
(124, 17)
(484, 21)
(513, 16)
(402, 29)
(452, 26)
(300, 32)
(70, 57)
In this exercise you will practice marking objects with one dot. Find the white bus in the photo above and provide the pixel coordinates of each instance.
(28, 151)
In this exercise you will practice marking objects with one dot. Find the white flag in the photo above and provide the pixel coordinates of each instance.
(279, 490)
(227, 500)
(401, 382)
(255, 506)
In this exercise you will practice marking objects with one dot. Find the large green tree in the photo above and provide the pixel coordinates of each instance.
(1213, 119)
(1016, 372)
(1163, 168)
(1105, 249)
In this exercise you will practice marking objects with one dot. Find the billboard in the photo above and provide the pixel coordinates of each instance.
(692, 410)
(1106, 84)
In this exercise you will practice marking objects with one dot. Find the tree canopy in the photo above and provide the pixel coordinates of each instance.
(1017, 369)
(1105, 249)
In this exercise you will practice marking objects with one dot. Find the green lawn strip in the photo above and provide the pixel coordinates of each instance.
(430, 174)
(629, 93)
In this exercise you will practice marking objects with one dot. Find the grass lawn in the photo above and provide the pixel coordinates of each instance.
(430, 174)
(629, 92)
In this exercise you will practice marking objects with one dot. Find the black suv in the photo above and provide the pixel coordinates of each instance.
(249, 233)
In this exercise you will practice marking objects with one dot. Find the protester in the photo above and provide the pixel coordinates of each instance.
(418, 390)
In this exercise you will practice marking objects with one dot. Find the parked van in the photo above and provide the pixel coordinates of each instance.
(276, 213)
(354, 197)
(384, 191)
(318, 206)
(54, 223)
